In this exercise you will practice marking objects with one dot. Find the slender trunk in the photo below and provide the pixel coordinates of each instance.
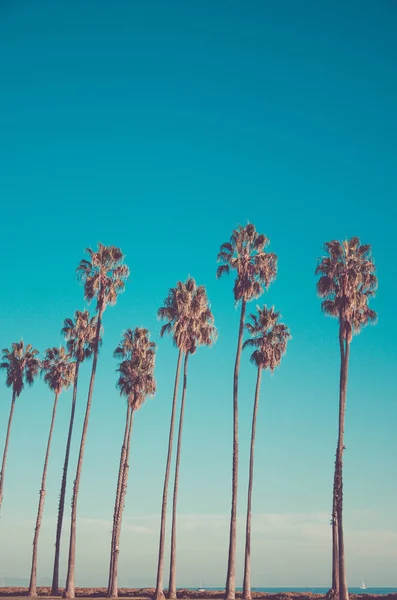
(343, 589)
(247, 562)
(172, 580)
(335, 550)
(231, 566)
(118, 491)
(159, 593)
(33, 575)
(113, 593)
(69, 588)
(334, 592)
(3, 464)
(61, 507)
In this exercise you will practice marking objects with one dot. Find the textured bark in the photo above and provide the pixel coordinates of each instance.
(33, 575)
(119, 517)
(3, 464)
(335, 550)
(61, 507)
(123, 458)
(231, 565)
(159, 593)
(343, 588)
(334, 592)
(70, 587)
(172, 580)
(247, 562)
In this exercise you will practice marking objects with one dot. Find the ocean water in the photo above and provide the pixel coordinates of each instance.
(352, 590)
(317, 590)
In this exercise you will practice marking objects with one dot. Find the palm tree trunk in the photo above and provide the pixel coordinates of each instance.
(343, 589)
(113, 591)
(247, 563)
(118, 492)
(231, 566)
(172, 581)
(335, 589)
(33, 575)
(69, 588)
(335, 550)
(3, 464)
(159, 593)
(61, 507)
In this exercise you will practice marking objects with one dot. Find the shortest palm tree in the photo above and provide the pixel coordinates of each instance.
(269, 338)
(58, 375)
(21, 366)
(136, 382)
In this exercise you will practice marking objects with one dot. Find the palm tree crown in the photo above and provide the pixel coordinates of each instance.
(104, 275)
(80, 335)
(246, 254)
(268, 337)
(189, 317)
(347, 283)
(58, 369)
(136, 372)
(21, 365)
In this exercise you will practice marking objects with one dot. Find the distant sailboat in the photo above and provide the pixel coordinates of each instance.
(363, 586)
(201, 589)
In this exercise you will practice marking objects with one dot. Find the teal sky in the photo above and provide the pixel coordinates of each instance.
(158, 127)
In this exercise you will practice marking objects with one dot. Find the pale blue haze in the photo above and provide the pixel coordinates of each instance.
(158, 127)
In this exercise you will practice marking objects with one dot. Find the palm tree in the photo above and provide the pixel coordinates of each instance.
(80, 336)
(59, 374)
(104, 277)
(256, 269)
(176, 312)
(201, 331)
(269, 338)
(347, 282)
(136, 382)
(123, 351)
(21, 366)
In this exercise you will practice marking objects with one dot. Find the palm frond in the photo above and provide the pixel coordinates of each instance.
(21, 365)
(255, 268)
(347, 282)
(268, 336)
(221, 270)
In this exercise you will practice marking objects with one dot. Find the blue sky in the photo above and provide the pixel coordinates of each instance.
(158, 127)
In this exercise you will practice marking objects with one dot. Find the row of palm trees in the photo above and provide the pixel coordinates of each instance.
(347, 282)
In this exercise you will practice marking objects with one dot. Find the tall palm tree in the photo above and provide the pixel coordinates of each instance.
(21, 366)
(201, 331)
(269, 338)
(58, 375)
(80, 336)
(104, 277)
(347, 282)
(255, 269)
(135, 382)
(176, 312)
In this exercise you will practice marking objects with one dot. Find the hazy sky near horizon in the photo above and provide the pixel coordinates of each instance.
(158, 127)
